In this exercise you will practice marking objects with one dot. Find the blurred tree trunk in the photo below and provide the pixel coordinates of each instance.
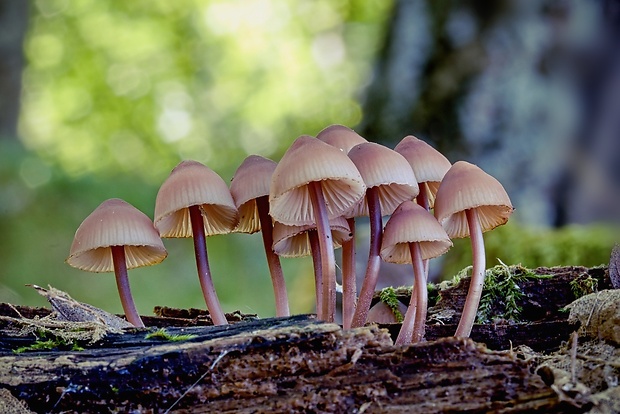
(527, 90)
(13, 21)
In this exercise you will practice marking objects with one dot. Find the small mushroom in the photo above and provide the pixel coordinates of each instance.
(299, 241)
(429, 167)
(389, 181)
(116, 236)
(340, 137)
(195, 202)
(345, 138)
(470, 202)
(250, 190)
(315, 182)
(411, 235)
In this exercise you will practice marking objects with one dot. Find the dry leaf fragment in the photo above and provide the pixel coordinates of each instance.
(70, 310)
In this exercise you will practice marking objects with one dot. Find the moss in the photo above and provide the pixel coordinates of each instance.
(45, 343)
(502, 293)
(388, 296)
(583, 285)
(167, 336)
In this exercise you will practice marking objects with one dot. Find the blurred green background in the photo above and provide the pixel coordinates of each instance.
(115, 94)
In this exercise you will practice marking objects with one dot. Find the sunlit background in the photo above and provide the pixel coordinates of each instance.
(115, 94)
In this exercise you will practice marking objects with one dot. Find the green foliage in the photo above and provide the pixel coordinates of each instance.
(115, 94)
(534, 247)
(167, 336)
(388, 296)
(501, 291)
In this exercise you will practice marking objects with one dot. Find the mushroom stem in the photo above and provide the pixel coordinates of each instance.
(477, 277)
(326, 245)
(315, 248)
(202, 263)
(122, 283)
(374, 259)
(273, 261)
(422, 200)
(414, 324)
(349, 288)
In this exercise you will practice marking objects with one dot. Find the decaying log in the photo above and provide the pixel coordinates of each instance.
(291, 364)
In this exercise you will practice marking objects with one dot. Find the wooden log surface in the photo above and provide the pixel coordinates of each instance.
(291, 364)
(298, 364)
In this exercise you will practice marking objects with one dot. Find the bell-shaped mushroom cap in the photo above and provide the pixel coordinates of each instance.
(341, 137)
(411, 223)
(251, 181)
(115, 223)
(465, 186)
(428, 164)
(191, 183)
(293, 241)
(388, 171)
(311, 160)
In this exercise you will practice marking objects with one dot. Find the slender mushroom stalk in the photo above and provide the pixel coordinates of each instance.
(344, 139)
(195, 202)
(315, 248)
(374, 259)
(470, 309)
(114, 237)
(273, 261)
(204, 271)
(349, 282)
(250, 191)
(470, 202)
(389, 180)
(412, 234)
(122, 283)
(326, 246)
(296, 241)
(414, 323)
(313, 183)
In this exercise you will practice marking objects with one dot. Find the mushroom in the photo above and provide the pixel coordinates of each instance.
(470, 202)
(195, 202)
(299, 241)
(429, 167)
(250, 191)
(345, 138)
(411, 235)
(315, 182)
(116, 236)
(389, 181)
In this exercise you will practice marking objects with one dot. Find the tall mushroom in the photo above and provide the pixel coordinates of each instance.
(315, 182)
(250, 191)
(470, 202)
(116, 236)
(412, 235)
(389, 181)
(195, 202)
(345, 138)
(299, 241)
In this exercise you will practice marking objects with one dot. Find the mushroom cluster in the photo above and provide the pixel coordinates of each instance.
(306, 205)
